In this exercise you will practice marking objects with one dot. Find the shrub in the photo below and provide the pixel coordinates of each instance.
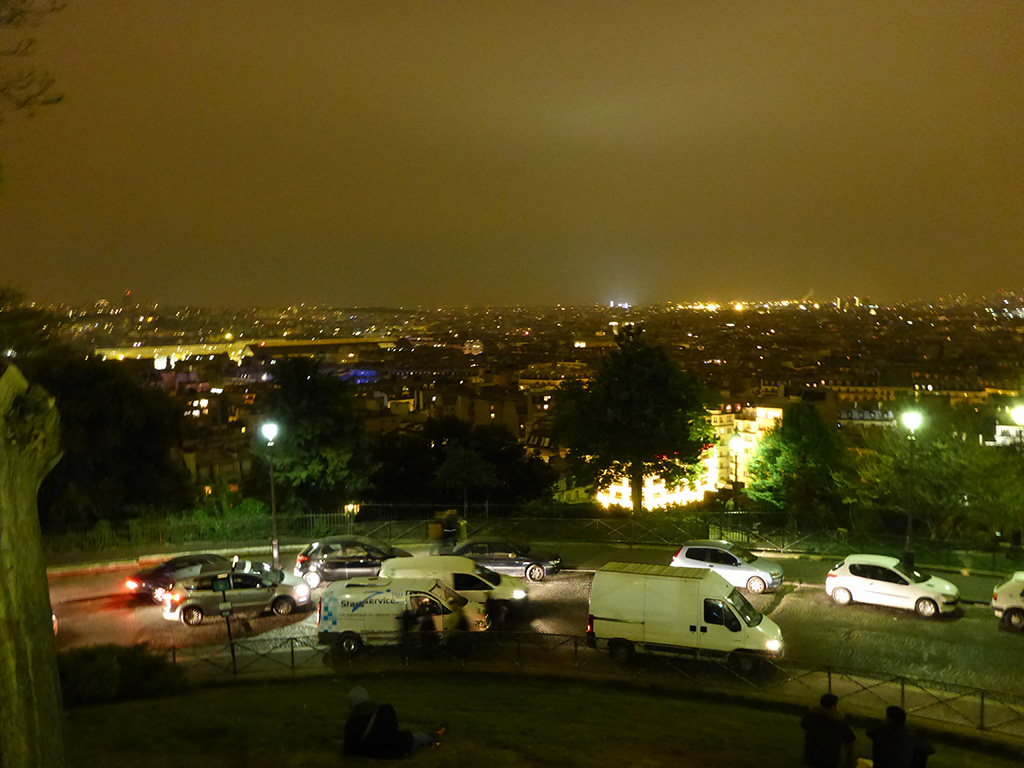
(105, 673)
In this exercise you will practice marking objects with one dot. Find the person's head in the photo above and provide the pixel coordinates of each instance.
(829, 701)
(896, 715)
(358, 695)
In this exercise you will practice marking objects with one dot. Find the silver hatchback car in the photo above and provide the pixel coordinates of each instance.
(230, 592)
(736, 565)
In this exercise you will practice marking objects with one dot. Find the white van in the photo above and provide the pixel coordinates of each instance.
(662, 609)
(370, 611)
(465, 576)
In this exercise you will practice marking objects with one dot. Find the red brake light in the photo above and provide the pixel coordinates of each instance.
(176, 597)
(590, 623)
(319, 609)
(301, 559)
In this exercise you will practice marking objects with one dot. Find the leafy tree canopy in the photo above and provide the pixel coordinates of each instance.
(794, 465)
(119, 438)
(640, 415)
(318, 453)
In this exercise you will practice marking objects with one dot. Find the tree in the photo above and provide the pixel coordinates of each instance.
(318, 453)
(640, 415)
(23, 330)
(425, 464)
(23, 88)
(30, 729)
(794, 465)
(120, 439)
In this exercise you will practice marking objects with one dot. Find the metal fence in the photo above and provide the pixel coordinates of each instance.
(863, 692)
(397, 525)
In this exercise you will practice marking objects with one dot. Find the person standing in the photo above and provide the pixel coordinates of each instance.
(896, 745)
(828, 740)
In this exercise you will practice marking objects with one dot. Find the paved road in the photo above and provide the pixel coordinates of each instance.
(968, 648)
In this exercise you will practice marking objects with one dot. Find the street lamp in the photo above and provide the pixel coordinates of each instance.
(269, 432)
(911, 420)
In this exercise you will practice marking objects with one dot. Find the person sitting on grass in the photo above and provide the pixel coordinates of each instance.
(372, 730)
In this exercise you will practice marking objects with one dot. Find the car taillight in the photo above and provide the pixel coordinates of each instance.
(176, 597)
(830, 576)
(995, 597)
(319, 609)
(590, 623)
(132, 584)
(301, 559)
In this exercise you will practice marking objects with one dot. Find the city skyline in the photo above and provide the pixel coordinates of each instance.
(348, 154)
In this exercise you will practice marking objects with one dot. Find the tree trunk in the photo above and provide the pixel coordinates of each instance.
(636, 486)
(31, 727)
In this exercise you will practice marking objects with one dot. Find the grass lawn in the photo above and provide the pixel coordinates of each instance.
(495, 721)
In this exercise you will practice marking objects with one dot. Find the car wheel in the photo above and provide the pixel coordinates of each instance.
(1014, 619)
(536, 572)
(926, 608)
(312, 578)
(756, 585)
(621, 651)
(350, 644)
(841, 596)
(282, 606)
(192, 615)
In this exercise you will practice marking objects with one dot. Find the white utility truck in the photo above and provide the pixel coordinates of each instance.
(661, 609)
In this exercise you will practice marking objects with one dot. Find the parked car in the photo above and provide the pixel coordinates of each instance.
(732, 562)
(882, 580)
(340, 558)
(1008, 601)
(505, 556)
(467, 577)
(156, 580)
(250, 589)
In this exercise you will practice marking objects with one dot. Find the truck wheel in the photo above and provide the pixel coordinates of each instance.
(841, 596)
(350, 644)
(282, 606)
(536, 572)
(926, 608)
(621, 651)
(1014, 619)
(192, 615)
(756, 585)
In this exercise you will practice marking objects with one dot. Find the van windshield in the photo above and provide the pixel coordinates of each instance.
(750, 615)
(487, 575)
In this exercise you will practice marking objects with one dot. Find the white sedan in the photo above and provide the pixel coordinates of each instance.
(883, 580)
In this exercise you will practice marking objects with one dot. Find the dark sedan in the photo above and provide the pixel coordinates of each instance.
(156, 580)
(505, 556)
(339, 558)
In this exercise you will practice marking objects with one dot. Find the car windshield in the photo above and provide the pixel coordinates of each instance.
(743, 554)
(271, 575)
(747, 612)
(917, 577)
(487, 575)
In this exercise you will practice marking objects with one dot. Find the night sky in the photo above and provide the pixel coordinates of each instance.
(239, 153)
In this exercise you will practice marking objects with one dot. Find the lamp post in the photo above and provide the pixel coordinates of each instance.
(911, 420)
(735, 446)
(269, 432)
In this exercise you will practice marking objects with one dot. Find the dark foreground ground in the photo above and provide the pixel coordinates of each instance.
(495, 721)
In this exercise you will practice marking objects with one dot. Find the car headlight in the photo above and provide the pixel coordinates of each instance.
(302, 590)
(518, 594)
(773, 645)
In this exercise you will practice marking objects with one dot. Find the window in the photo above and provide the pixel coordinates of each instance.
(714, 612)
(884, 574)
(718, 557)
(466, 582)
(696, 553)
(246, 581)
(862, 571)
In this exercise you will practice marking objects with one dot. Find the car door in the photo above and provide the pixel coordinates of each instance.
(360, 562)
(726, 565)
(502, 558)
(894, 588)
(335, 566)
(870, 585)
(248, 593)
